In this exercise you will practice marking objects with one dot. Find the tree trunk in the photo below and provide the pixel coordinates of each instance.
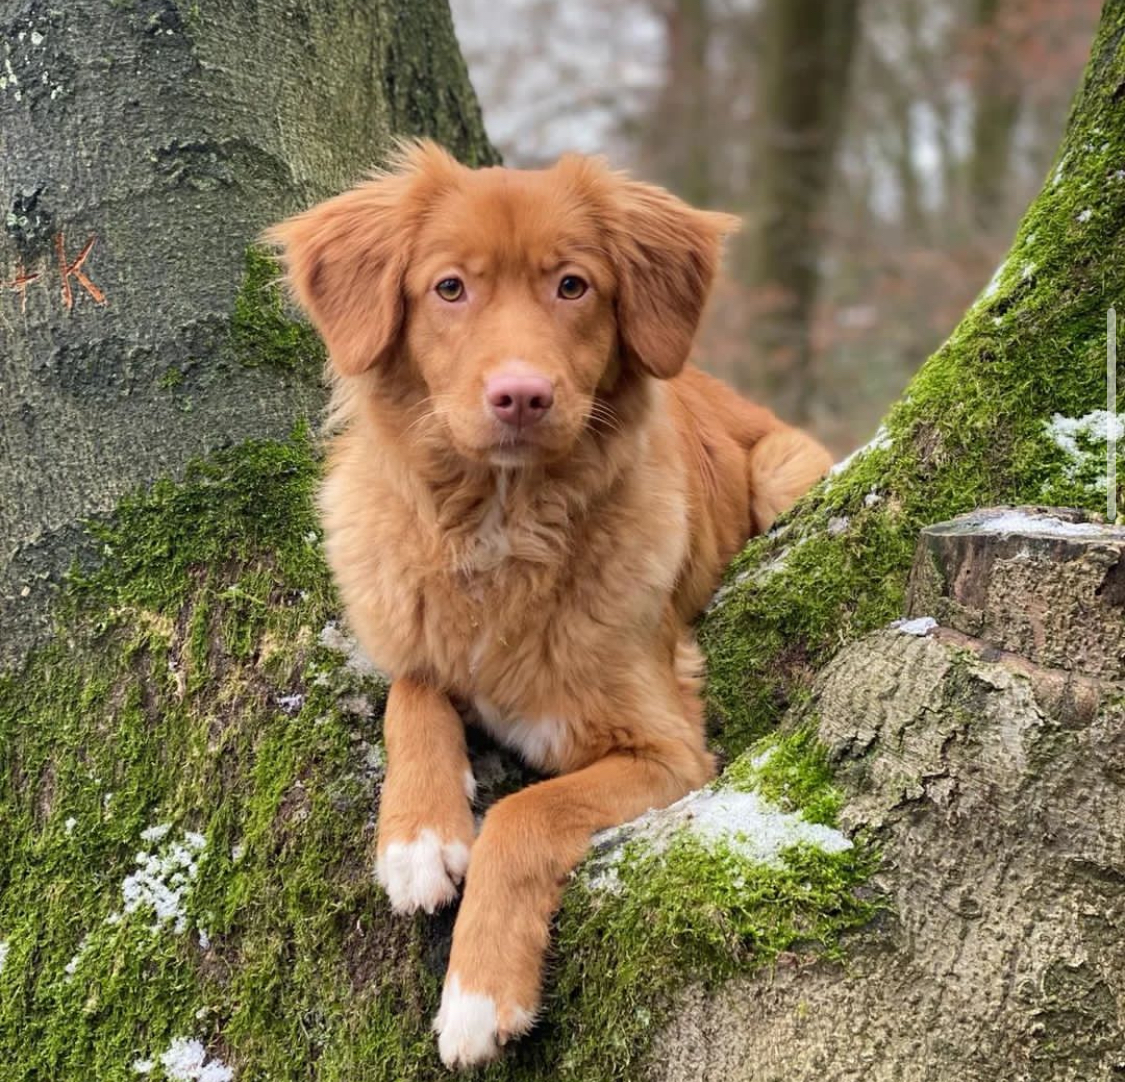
(996, 110)
(680, 140)
(142, 147)
(189, 771)
(807, 51)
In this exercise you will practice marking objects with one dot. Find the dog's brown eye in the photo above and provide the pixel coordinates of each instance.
(450, 289)
(572, 287)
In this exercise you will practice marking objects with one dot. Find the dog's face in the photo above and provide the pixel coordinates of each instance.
(503, 306)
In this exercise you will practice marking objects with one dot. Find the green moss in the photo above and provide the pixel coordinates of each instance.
(970, 431)
(689, 913)
(264, 331)
(790, 769)
(188, 687)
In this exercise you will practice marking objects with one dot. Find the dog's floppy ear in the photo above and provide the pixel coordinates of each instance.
(667, 254)
(345, 258)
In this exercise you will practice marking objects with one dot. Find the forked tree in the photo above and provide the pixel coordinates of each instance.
(189, 746)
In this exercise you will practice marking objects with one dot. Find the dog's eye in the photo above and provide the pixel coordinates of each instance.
(450, 289)
(572, 287)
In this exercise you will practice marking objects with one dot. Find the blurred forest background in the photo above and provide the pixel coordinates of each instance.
(880, 153)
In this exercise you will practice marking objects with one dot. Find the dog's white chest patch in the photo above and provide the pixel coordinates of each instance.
(543, 742)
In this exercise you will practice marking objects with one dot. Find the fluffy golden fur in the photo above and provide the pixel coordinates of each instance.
(538, 578)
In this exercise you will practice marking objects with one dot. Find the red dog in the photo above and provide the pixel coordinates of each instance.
(531, 499)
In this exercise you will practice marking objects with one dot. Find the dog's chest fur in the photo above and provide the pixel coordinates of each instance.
(515, 602)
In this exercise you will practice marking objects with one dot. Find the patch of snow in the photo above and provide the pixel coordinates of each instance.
(993, 282)
(291, 704)
(1095, 427)
(71, 967)
(37, 37)
(920, 626)
(204, 939)
(745, 823)
(837, 525)
(1058, 173)
(763, 757)
(143, 1066)
(4, 948)
(186, 1061)
(156, 833)
(70, 824)
(1038, 525)
(1028, 271)
(872, 498)
(163, 880)
(1085, 215)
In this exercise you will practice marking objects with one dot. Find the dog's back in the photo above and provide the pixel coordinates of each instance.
(746, 468)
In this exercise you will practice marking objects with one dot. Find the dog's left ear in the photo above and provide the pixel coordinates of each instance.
(667, 254)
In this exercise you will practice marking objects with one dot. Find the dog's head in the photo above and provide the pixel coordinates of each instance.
(501, 305)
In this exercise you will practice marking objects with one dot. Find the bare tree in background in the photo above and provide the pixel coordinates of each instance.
(996, 109)
(680, 142)
(807, 48)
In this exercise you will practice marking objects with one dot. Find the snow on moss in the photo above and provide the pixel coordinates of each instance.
(186, 1061)
(1083, 439)
(4, 947)
(879, 442)
(163, 879)
(744, 822)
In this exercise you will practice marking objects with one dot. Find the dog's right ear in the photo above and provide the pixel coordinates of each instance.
(345, 259)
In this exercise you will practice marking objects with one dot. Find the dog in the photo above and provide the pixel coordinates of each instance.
(530, 497)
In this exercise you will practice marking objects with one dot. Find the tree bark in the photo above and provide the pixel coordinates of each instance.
(142, 147)
(679, 141)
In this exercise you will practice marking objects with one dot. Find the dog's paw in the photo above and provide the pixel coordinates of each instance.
(471, 1028)
(423, 873)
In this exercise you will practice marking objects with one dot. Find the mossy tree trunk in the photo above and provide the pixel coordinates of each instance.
(143, 145)
(190, 769)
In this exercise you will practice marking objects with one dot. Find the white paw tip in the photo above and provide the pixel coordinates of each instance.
(468, 1027)
(422, 874)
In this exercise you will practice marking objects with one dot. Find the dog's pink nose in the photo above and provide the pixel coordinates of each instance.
(519, 400)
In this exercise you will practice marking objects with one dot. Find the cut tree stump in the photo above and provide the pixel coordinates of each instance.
(1046, 584)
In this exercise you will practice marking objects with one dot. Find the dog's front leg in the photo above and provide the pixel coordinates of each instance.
(425, 813)
(528, 845)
